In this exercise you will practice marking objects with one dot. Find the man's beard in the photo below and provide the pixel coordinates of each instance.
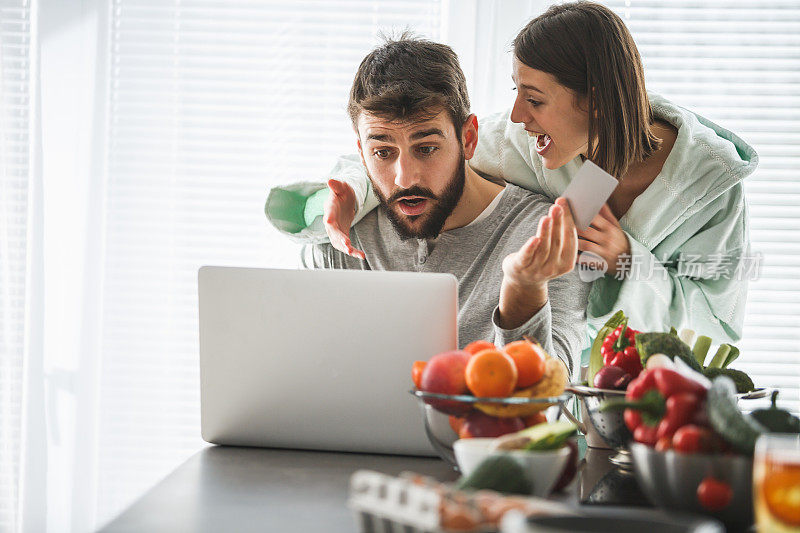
(443, 206)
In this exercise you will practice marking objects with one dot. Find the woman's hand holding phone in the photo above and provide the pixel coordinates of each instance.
(605, 238)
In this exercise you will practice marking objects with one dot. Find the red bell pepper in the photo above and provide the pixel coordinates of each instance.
(658, 403)
(619, 349)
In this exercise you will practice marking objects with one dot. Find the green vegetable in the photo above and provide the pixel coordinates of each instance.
(738, 429)
(596, 358)
(740, 379)
(652, 343)
(500, 473)
(718, 361)
(673, 331)
(700, 350)
(777, 420)
(732, 356)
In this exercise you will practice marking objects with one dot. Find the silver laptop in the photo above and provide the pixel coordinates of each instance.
(319, 359)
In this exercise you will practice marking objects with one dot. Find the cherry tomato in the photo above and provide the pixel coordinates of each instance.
(714, 494)
(663, 444)
(690, 439)
(416, 372)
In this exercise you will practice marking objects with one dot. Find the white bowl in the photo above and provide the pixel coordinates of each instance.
(542, 467)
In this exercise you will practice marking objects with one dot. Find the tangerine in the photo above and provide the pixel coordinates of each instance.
(479, 346)
(534, 419)
(491, 374)
(416, 372)
(530, 364)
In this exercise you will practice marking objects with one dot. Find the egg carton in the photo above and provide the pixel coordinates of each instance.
(412, 503)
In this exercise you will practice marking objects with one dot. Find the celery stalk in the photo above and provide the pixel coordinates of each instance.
(700, 350)
(721, 356)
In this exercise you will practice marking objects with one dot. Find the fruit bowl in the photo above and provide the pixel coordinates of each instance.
(437, 424)
(670, 480)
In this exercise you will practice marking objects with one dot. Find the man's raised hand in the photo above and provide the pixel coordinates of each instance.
(551, 253)
(340, 210)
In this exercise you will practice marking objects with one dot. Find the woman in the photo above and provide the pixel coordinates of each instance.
(674, 232)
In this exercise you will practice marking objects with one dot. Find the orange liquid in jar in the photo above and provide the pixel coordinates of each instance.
(778, 494)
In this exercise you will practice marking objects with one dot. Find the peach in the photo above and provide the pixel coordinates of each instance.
(444, 374)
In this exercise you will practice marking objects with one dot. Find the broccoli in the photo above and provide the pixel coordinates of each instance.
(740, 379)
(649, 344)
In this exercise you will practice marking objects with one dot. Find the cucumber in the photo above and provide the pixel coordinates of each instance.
(500, 473)
(739, 430)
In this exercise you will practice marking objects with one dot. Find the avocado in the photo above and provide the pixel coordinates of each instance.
(500, 473)
(648, 344)
(740, 379)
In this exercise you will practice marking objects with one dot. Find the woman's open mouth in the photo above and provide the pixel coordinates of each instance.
(543, 142)
(413, 205)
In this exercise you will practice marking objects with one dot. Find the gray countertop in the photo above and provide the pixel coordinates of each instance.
(236, 489)
(225, 488)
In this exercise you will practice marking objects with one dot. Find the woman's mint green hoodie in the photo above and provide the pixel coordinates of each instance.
(688, 231)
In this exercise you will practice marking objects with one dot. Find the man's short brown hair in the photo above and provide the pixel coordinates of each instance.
(410, 79)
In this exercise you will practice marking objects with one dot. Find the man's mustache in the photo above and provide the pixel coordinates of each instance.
(413, 191)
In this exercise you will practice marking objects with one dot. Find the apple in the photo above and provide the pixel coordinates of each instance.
(478, 424)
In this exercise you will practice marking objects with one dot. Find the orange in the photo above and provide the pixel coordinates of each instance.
(782, 493)
(491, 374)
(455, 423)
(530, 365)
(479, 346)
(416, 372)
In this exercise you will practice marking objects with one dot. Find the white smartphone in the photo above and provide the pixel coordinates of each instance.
(587, 192)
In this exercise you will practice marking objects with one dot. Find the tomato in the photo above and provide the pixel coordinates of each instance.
(416, 372)
(714, 494)
(696, 439)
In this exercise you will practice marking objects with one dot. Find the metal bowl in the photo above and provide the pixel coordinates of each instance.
(437, 423)
(670, 480)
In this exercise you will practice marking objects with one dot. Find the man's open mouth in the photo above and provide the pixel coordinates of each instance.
(413, 205)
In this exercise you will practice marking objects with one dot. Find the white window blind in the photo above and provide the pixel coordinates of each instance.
(737, 63)
(210, 104)
(15, 31)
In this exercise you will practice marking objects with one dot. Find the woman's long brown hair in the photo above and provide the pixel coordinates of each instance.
(589, 50)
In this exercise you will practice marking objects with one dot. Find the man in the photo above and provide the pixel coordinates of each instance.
(410, 110)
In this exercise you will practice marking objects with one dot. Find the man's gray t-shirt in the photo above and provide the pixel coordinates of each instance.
(474, 254)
